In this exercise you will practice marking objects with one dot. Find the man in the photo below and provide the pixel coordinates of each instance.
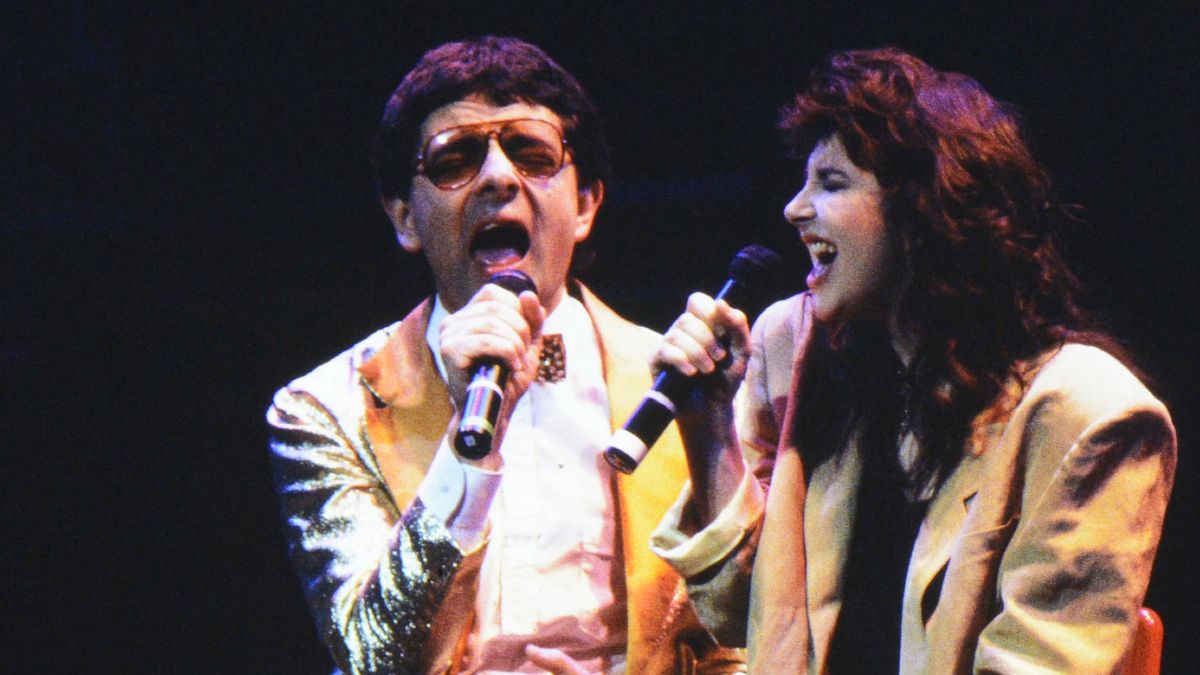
(533, 558)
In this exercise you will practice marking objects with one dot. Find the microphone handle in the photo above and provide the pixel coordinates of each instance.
(654, 414)
(485, 395)
(630, 444)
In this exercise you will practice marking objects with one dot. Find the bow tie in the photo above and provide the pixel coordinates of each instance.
(552, 361)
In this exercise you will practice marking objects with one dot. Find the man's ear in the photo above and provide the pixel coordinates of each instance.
(401, 217)
(590, 198)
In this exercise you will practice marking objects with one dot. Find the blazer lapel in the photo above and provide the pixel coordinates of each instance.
(948, 513)
(828, 521)
(942, 526)
(930, 584)
(781, 575)
(652, 588)
(409, 407)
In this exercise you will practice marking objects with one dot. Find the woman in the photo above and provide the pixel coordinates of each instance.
(954, 468)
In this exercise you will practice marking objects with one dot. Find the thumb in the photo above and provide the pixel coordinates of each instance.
(534, 313)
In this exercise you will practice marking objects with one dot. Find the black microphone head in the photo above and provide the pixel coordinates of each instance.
(753, 267)
(513, 281)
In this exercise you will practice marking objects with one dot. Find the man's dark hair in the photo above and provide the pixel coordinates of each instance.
(501, 70)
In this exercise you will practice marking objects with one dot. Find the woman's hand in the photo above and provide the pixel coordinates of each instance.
(710, 343)
(710, 339)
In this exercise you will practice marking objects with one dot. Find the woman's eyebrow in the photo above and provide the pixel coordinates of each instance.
(829, 171)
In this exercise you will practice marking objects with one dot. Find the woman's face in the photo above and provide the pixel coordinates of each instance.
(858, 270)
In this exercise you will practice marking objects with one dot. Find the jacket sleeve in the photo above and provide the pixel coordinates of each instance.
(1099, 460)
(716, 561)
(373, 577)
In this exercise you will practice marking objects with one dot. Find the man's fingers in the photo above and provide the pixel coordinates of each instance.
(533, 313)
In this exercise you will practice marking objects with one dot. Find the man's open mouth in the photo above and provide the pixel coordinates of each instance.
(500, 244)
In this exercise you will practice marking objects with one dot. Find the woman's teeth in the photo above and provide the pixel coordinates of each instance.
(822, 252)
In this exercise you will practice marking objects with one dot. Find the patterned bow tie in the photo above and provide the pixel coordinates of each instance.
(552, 362)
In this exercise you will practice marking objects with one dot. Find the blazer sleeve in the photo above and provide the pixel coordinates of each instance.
(1099, 460)
(716, 561)
(374, 577)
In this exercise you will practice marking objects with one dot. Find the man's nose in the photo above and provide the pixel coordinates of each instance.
(497, 172)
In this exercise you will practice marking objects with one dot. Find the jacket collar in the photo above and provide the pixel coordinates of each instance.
(408, 409)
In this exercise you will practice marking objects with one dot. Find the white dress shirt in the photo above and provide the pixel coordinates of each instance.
(551, 574)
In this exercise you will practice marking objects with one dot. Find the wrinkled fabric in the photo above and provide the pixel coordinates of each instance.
(1034, 554)
(387, 586)
(379, 600)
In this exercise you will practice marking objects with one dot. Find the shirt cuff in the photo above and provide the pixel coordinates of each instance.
(460, 496)
(691, 555)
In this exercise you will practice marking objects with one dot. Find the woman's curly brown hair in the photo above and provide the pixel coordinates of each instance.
(974, 209)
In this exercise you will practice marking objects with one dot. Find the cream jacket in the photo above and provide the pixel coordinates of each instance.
(388, 587)
(1034, 554)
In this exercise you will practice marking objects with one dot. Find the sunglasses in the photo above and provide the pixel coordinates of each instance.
(453, 157)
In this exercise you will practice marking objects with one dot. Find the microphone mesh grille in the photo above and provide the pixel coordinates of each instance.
(753, 266)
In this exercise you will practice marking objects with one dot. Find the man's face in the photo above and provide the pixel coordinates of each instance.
(501, 218)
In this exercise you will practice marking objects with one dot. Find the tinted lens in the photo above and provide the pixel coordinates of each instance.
(533, 146)
(454, 157)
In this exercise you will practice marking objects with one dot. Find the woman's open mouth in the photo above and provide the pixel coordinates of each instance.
(822, 253)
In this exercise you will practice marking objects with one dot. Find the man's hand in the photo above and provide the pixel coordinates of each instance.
(499, 325)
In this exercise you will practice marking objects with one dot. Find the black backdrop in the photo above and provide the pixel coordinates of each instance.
(188, 222)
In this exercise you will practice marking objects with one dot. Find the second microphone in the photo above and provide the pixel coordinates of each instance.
(749, 274)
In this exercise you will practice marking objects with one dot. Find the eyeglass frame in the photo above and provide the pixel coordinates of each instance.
(499, 127)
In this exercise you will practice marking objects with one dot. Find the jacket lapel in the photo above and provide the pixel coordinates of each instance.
(942, 526)
(781, 579)
(828, 520)
(652, 588)
(410, 406)
(932, 609)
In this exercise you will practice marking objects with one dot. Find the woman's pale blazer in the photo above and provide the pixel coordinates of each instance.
(1034, 554)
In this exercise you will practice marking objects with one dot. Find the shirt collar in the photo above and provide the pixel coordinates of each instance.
(568, 319)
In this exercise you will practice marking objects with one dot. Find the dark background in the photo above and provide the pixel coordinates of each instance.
(187, 222)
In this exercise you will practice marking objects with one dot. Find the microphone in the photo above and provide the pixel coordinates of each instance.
(749, 274)
(485, 393)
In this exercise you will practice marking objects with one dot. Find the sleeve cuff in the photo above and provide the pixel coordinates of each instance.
(459, 496)
(691, 555)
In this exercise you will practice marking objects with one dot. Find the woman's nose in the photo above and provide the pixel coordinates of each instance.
(799, 210)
